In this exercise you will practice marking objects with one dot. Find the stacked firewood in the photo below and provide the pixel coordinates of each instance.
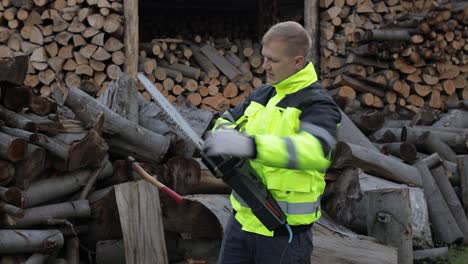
(213, 74)
(395, 54)
(402, 181)
(69, 42)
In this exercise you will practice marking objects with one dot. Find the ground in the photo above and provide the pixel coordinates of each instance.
(458, 255)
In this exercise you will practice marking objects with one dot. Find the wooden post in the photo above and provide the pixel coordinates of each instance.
(131, 37)
(311, 24)
(388, 220)
(142, 227)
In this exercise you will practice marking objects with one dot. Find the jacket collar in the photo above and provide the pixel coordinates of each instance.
(297, 81)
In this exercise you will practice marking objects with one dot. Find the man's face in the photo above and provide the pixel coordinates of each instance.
(277, 63)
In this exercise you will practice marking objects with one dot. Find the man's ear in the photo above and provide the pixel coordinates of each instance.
(299, 62)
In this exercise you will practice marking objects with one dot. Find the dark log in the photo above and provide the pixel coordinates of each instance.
(431, 255)
(121, 148)
(386, 135)
(454, 118)
(209, 214)
(14, 97)
(105, 224)
(39, 215)
(440, 176)
(31, 166)
(347, 202)
(454, 140)
(358, 85)
(94, 176)
(12, 196)
(46, 190)
(462, 162)
(180, 249)
(85, 108)
(141, 221)
(68, 231)
(368, 121)
(7, 172)
(187, 71)
(36, 258)
(433, 161)
(184, 173)
(121, 97)
(348, 132)
(350, 155)
(14, 69)
(403, 150)
(11, 210)
(444, 226)
(55, 147)
(208, 183)
(29, 241)
(388, 220)
(73, 250)
(383, 35)
(110, 252)
(14, 120)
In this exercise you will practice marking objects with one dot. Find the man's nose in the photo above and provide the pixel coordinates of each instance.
(265, 65)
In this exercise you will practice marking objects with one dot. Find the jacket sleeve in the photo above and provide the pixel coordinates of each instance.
(311, 146)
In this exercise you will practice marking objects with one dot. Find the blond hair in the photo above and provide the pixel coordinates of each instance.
(293, 34)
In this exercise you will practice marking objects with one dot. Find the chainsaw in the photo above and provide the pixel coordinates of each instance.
(236, 172)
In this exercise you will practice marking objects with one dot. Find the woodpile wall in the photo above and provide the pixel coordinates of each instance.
(70, 43)
(395, 54)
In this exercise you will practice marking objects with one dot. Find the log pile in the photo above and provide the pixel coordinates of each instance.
(70, 43)
(212, 74)
(395, 53)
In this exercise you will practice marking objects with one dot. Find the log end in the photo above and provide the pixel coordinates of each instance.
(17, 149)
(408, 152)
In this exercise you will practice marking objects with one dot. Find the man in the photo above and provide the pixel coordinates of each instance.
(287, 129)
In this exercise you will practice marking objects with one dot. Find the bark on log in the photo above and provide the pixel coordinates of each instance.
(368, 121)
(227, 68)
(403, 150)
(40, 215)
(454, 118)
(388, 220)
(373, 162)
(443, 223)
(36, 258)
(73, 250)
(432, 255)
(348, 132)
(29, 241)
(209, 212)
(15, 120)
(204, 62)
(31, 166)
(12, 196)
(440, 176)
(14, 69)
(431, 143)
(455, 140)
(115, 124)
(46, 190)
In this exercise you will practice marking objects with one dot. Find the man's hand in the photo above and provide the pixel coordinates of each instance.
(230, 142)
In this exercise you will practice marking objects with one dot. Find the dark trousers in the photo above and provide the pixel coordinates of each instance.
(240, 247)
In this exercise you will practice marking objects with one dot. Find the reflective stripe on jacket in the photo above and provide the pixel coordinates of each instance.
(294, 125)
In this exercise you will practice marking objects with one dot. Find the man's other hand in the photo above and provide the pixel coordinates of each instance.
(230, 142)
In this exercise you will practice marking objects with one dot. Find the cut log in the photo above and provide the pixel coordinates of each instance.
(14, 69)
(204, 62)
(31, 166)
(15, 97)
(388, 220)
(373, 162)
(348, 132)
(116, 124)
(434, 254)
(110, 252)
(440, 177)
(12, 148)
(443, 223)
(462, 162)
(403, 150)
(30, 241)
(7, 171)
(227, 68)
(358, 85)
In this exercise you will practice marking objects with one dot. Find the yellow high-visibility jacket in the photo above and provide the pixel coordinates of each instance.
(294, 126)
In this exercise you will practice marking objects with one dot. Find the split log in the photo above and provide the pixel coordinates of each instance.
(388, 220)
(204, 62)
(30, 241)
(40, 215)
(334, 244)
(462, 162)
(227, 68)
(347, 202)
(47, 190)
(115, 124)
(142, 227)
(444, 226)
(348, 154)
(209, 214)
(440, 177)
